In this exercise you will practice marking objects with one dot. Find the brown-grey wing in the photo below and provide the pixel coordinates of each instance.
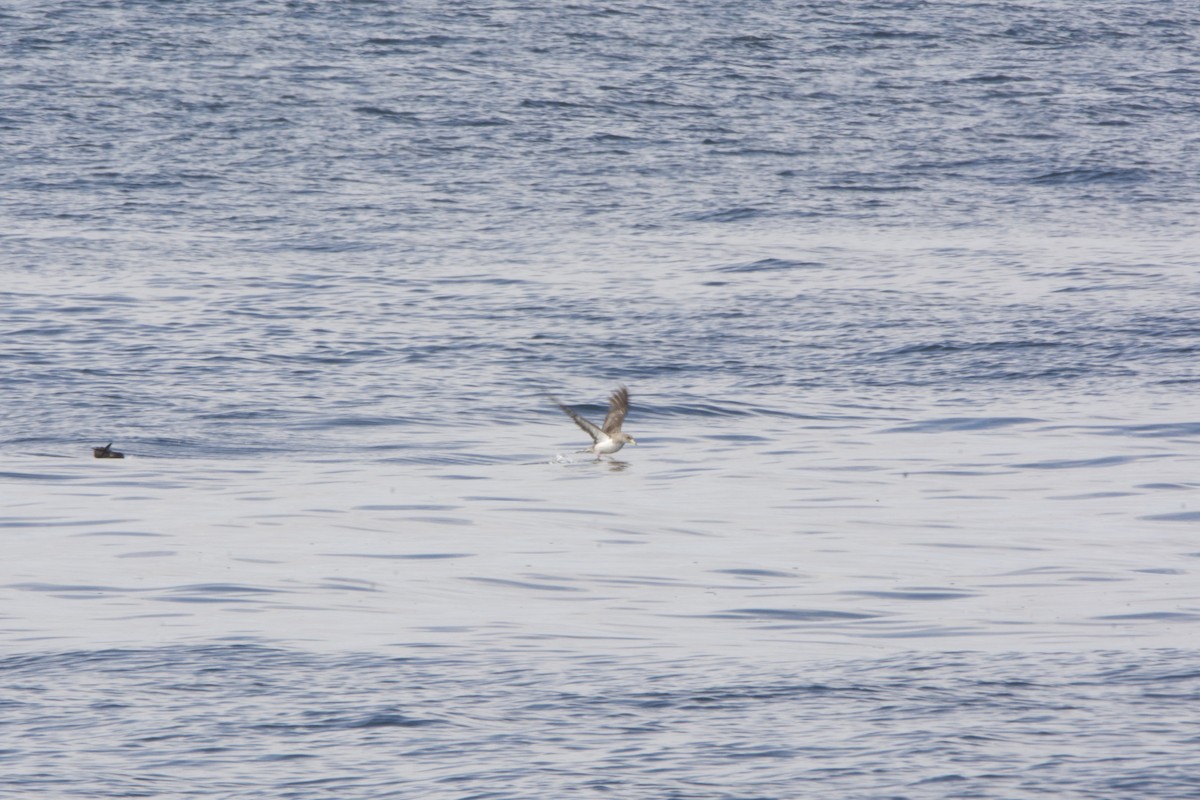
(618, 407)
(588, 428)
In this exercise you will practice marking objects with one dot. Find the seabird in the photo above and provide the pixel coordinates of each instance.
(608, 438)
(106, 452)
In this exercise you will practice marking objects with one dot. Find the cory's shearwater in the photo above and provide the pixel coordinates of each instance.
(607, 438)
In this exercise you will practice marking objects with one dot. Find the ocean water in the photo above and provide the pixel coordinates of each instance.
(907, 297)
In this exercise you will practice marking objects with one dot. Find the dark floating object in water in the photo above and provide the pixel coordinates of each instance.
(106, 452)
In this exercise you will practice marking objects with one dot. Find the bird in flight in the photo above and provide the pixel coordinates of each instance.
(607, 438)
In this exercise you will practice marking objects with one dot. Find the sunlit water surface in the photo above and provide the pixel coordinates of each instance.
(906, 296)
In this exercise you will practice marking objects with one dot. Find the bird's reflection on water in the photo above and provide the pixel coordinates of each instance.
(612, 464)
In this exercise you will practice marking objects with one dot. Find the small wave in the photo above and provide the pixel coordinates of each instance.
(448, 459)
(1178, 516)
(401, 556)
(994, 78)
(858, 187)
(215, 593)
(478, 122)
(914, 595)
(1161, 616)
(758, 573)
(736, 437)
(923, 348)
(610, 137)
(224, 589)
(711, 410)
(432, 40)
(549, 103)
(353, 421)
(33, 476)
(387, 113)
(408, 507)
(540, 587)
(755, 41)
(727, 214)
(72, 589)
(41, 522)
(1104, 461)
(1155, 430)
(389, 721)
(770, 265)
(961, 424)
(1071, 177)
(795, 614)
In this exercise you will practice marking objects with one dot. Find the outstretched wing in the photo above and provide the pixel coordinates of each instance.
(588, 427)
(618, 407)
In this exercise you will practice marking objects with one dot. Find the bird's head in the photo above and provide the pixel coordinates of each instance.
(625, 437)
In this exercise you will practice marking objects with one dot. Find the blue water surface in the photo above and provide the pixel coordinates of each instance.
(906, 298)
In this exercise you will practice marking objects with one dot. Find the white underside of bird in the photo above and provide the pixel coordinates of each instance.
(605, 445)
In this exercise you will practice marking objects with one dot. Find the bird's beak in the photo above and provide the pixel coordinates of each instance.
(633, 442)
